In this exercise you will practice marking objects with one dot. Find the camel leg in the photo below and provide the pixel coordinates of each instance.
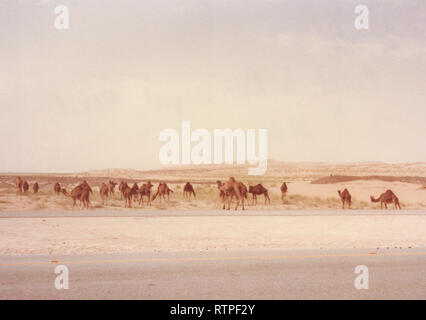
(267, 198)
(238, 202)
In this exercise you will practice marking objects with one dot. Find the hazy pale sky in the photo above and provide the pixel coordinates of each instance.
(97, 95)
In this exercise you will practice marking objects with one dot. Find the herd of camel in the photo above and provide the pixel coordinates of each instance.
(227, 191)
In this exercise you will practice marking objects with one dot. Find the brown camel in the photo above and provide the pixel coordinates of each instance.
(81, 192)
(25, 186)
(135, 191)
(35, 187)
(145, 190)
(346, 197)
(283, 191)
(242, 188)
(128, 193)
(219, 186)
(162, 191)
(258, 190)
(121, 187)
(387, 197)
(57, 188)
(104, 191)
(111, 188)
(230, 189)
(19, 182)
(188, 190)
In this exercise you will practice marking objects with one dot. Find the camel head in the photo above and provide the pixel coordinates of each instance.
(251, 189)
(149, 184)
(232, 179)
(373, 199)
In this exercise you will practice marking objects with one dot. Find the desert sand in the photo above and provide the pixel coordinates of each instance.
(323, 227)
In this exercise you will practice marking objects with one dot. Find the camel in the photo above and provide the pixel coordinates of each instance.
(346, 197)
(128, 193)
(188, 190)
(121, 188)
(258, 190)
(25, 186)
(19, 182)
(242, 187)
(162, 190)
(111, 188)
(35, 187)
(232, 188)
(387, 197)
(145, 190)
(135, 190)
(81, 192)
(283, 191)
(57, 188)
(219, 186)
(104, 191)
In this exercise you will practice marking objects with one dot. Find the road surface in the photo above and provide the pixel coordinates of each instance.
(393, 273)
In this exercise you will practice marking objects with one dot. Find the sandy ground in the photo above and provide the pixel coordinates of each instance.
(207, 231)
(62, 236)
(301, 195)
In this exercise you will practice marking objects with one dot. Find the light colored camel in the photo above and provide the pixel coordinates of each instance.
(19, 182)
(111, 188)
(387, 197)
(230, 189)
(104, 191)
(346, 197)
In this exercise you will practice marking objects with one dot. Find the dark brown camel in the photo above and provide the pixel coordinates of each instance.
(81, 192)
(111, 188)
(135, 191)
(35, 187)
(25, 186)
(283, 191)
(387, 198)
(104, 191)
(162, 191)
(230, 189)
(346, 197)
(258, 190)
(19, 182)
(57, 188)
(145, 190)
(188, 190)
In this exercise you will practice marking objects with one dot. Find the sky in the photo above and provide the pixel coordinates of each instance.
(97, 95)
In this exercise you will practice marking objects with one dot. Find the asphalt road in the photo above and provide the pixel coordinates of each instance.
(150, 212)
(297, 274)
